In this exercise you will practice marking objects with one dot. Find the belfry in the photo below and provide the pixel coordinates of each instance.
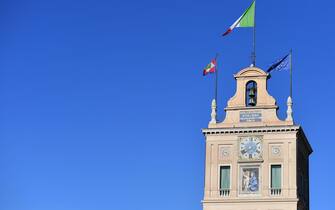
(254, 160)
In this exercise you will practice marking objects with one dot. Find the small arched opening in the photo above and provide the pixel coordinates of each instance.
(251, 94)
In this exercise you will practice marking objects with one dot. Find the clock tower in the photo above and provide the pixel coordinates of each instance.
(255, 161)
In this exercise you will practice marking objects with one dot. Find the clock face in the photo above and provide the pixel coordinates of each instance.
(251, 148)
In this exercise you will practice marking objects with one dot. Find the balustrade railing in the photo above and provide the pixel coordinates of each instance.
(275, 191)
(224, 192)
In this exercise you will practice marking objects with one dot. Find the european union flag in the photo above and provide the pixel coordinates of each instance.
(281, 64)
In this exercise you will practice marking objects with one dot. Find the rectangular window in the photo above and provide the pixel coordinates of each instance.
(224, 181)
(275, 179)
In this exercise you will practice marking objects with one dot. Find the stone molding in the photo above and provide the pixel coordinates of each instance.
(241, 130)
(247, 200)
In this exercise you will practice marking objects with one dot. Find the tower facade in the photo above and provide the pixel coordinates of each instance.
(255, 161)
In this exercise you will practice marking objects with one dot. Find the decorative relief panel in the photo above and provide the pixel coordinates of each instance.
(275, 150)
(225, 152)
(249, 182)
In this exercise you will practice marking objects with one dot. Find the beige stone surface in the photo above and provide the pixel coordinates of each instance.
(283, 143)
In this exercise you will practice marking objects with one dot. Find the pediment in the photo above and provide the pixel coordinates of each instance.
(251, 72)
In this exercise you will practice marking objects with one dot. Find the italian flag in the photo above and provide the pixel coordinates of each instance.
(210, 68)
(247, 19)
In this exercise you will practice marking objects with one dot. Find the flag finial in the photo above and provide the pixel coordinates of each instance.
(289, 111)
(213, 114)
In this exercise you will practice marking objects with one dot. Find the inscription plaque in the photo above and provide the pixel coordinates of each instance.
(250, 116)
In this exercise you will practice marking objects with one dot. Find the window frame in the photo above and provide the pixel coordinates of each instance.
(281, 174)
(219, 175)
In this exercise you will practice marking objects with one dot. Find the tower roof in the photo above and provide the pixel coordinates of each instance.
(251, 104)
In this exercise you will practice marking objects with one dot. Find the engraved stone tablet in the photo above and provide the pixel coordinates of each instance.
(250, 116)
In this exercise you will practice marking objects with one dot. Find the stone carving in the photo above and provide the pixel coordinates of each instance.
(224, 152)
(276, 150)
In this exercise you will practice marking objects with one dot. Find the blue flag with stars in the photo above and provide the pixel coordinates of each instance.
(281, 64)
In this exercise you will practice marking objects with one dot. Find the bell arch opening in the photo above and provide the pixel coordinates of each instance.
(251, 94)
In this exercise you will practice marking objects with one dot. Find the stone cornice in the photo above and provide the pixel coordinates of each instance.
(251, 72)
(241, 130)
(242, 108)
(247, 200)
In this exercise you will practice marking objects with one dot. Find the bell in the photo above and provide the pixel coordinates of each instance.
(252, 101)
(252, 92)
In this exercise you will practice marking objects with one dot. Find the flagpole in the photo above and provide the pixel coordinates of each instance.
(254, 40)
(216, 78)
(289, 99)
(291, 73)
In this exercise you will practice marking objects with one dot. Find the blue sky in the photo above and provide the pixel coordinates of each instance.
(102, 102)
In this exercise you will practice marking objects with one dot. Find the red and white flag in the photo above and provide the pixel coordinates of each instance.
(210, 68)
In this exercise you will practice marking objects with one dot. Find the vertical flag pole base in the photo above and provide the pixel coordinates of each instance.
(289, 111)
(213, 114)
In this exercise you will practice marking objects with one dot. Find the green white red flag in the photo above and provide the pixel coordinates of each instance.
(247, 19)
(210, 68)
